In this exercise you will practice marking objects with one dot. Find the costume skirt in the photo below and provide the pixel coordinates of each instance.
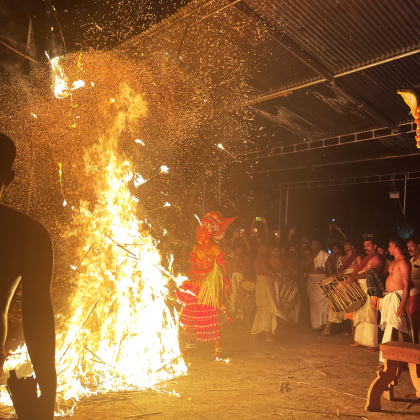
(202, 321)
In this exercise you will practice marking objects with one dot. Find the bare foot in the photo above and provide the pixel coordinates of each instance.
(355, 345)
(325, 333)
(269, 338)
(371, 349)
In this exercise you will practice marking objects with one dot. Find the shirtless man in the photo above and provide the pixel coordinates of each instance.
(267, 310)
(394, 305)
(350, 260)
(365, 318)
(26, 254)
(345, 265)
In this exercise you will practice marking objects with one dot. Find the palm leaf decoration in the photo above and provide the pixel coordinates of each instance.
(212, 287)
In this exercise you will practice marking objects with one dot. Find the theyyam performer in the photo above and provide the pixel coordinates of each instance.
(202, 295)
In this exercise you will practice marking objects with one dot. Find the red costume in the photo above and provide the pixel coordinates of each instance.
(202, 294)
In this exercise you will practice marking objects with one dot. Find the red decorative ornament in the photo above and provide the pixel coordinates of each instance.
(410, 98)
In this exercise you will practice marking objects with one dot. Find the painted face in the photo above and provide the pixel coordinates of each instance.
(203, 235)
(369, 247)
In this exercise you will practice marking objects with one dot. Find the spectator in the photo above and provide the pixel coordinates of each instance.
(267, 310)
(241, 301)
(319, 305)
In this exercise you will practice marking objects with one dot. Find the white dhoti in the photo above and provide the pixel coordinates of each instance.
(317, 301)
(293, 315)
(267, 310)
(365, 321)
(389, 318)
(336, 317)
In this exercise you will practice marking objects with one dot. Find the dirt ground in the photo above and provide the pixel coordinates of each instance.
(250, 385)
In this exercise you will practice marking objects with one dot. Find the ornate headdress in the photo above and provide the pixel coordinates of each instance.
(216, 224)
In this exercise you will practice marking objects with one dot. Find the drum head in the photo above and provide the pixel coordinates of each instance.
(327, 280)
(248, 285)
(356, 305)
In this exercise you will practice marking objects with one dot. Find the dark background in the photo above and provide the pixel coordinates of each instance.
(104, 25)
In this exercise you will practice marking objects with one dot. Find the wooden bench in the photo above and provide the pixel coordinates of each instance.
(394, 354)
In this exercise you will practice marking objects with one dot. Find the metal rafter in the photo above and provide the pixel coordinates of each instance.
(355, 180)
(374, 134)
(324, 165)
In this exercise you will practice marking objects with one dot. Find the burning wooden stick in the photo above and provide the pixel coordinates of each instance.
(80, 329)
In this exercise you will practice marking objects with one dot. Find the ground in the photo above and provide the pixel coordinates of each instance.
(284, 380)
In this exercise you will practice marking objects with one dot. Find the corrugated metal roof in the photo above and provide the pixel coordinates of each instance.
(296, 52)
(343, 34)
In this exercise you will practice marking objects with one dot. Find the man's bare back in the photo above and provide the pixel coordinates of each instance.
(375, 262)
(262, 266)
(26, 254)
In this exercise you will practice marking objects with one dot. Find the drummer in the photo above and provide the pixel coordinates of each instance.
(267, 309)
(318, 303)
(344, 266)
(365, 318)
(279, 266)
(285, 272)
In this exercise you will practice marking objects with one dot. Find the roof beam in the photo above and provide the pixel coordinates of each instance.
(291, 46)
(324, 165)
(351, 181)
(375, 134)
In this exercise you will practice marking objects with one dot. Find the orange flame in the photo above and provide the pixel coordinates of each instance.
(119, 334)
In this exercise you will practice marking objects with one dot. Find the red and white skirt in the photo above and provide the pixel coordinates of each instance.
(202, 321)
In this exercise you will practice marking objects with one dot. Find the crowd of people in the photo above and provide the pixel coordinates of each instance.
(371, 290)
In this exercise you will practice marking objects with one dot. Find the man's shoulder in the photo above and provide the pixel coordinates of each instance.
(377, 259)
(27, 225)
(215, 249)
(402, 262)
(398, 263)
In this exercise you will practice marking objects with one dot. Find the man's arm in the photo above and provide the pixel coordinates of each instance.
(405, 270)
(374, 262)
(264, 222)
(38, 316)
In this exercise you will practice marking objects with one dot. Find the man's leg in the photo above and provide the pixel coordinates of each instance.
(327, 329)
